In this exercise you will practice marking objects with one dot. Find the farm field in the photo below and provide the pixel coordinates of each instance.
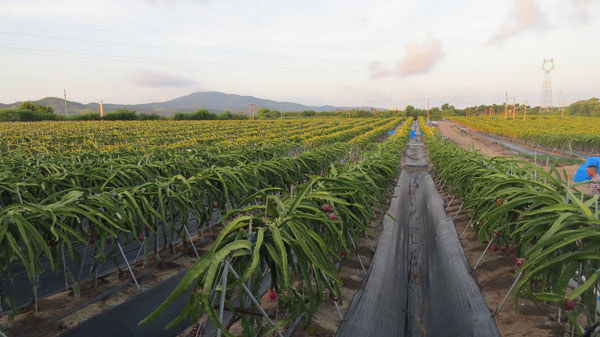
(530, 215)
(569, 135)
(299, 169)
(279, 212)
(491, 148)
(103, 185)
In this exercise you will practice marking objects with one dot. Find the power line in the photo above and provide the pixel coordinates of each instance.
(88, 56)
(44, 36)
(150, 46)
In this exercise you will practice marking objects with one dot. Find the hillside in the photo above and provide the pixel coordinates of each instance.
(57, 104)
(213, 101)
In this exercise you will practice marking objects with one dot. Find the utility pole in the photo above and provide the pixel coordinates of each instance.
(66, 111)
(101, 109)
(428, 109)
(251, 108)
(281, 109)
(506, 106)
(525, 111)
(390, 99)
(514, 107)
(562, 108)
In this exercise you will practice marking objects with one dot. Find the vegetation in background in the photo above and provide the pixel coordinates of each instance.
(120, 115)
(585, 108)
(27, 112)
(590, 107)
(32, 112)
(552, 160)
(435, 113)
(198, 115)
(567, 134)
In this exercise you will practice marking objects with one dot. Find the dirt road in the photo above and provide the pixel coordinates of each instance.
(467, 141)
(489, 148)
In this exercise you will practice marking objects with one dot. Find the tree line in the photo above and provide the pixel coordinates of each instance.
(586, 108)
(30, 112)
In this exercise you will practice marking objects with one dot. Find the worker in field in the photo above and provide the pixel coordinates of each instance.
(592, 171)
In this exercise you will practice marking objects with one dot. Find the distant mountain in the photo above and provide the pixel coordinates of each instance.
(58, 104)
(212, 100)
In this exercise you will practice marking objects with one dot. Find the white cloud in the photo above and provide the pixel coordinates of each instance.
(582, 11)
(154, 79)
(378, 70)
(419, 58)
(526, 15)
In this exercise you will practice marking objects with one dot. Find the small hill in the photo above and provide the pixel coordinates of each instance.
(57, 104)
(213, 101)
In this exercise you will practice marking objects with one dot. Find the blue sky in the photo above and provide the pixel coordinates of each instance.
(465, 52)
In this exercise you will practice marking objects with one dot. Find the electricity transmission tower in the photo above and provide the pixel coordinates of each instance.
(547, 68)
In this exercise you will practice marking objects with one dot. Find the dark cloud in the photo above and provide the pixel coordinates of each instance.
(154, 79)
(419, 58)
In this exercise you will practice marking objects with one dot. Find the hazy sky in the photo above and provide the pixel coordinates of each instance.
(349, 52)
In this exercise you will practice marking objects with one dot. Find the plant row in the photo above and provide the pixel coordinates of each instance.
(566, 134)
(550, 227)
(298, 235)
(41, 177)
(140, 136)
(128, 202)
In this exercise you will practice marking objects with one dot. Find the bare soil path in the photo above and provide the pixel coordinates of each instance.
(489, 148)
(495, 275)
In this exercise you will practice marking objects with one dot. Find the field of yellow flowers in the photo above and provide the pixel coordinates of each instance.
(565, 134)
(68, 185)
